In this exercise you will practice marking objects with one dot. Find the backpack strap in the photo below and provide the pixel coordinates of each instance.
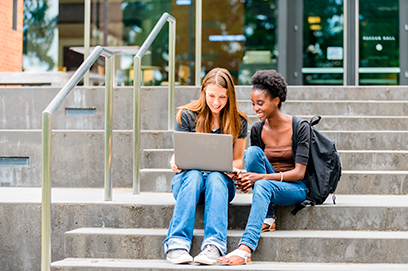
(313, 121)
(301, 206)
(296, 124)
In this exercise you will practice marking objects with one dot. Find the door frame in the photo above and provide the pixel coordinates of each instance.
(290, 41)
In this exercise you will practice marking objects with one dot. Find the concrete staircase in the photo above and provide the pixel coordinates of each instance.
(366, 230)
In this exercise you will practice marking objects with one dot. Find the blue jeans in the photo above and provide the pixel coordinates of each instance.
(266, 193)
(216, 190)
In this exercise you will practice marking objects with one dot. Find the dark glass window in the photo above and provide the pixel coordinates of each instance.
(15, 14)
(379, 42)
(323, 42)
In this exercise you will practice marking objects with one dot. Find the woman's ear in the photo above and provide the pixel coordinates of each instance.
(276, 101)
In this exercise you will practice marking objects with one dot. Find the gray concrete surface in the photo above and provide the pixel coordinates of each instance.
(88, 264)
(78, 159)
(351, 182)
(336, 107)
(281, 246)
(373, 145)
(21, 107)
(76, 208)
(350, 160)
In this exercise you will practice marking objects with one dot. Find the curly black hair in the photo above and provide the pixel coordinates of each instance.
(272, 83)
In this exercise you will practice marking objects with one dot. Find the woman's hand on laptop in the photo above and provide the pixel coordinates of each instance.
(235, 174)
(174, 167)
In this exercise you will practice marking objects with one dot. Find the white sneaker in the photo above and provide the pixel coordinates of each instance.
(177, 256)
(209, 255)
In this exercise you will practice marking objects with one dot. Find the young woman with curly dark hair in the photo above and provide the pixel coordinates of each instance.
(275, 163)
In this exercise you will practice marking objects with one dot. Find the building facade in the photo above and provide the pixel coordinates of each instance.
(11, 35)
(311, 42)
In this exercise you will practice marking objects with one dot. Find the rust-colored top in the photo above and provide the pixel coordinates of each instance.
(281, 157)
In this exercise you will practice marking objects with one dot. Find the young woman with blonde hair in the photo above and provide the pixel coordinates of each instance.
(216, 111)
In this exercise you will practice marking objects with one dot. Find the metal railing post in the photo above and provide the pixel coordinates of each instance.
(137, 89)
(345, 41)
(87, 25)
(108, 126)
(46, 193)
(198, 42)
(46, 145)
(136, 124)
(172, 70)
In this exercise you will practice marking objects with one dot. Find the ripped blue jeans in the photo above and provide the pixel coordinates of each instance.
(265, 194)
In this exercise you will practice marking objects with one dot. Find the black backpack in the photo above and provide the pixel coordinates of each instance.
(324, 167)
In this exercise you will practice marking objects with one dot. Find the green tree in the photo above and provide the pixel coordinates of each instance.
(38, 31)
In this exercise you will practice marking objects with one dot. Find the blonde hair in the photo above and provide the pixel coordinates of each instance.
(230, 121)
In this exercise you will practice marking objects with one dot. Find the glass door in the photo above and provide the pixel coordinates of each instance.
(379, 59)
(323, 42)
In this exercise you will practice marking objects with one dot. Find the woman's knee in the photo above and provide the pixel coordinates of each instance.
(252, 154)
(253, 151)
(193, 177)
(216, 179)
(261, 186)
(221, 184)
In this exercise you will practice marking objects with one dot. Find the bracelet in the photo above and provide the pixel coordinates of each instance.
(281, 176)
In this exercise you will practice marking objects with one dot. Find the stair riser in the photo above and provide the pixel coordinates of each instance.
(340, 250)
(70, 158)
(25, 113)
(349, 160)
(163, 139)
(24, 107)
(331, 108)
(322, 217)
(379, 93)
(350, 183)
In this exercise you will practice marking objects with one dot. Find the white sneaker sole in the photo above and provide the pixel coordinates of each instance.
(205, 261)
(179, 261)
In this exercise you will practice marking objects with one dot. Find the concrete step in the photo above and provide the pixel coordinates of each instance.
(88, 264)
(351, 182)
(74, 208)
(355, 123)
(81, 165)
(378, 93)
(350, 160)
(335, 107)
(281, 246)
(22, 106)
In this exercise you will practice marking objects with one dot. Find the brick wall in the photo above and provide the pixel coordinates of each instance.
(11, 41)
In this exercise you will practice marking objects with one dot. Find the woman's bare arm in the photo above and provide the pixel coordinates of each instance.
(296, 174)
(238, 153)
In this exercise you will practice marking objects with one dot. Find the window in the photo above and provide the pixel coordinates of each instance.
(15, 14)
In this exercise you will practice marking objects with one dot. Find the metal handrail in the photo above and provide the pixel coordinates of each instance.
(137, 89)
(46, 143)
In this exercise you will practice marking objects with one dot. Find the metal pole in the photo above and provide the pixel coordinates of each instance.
(345, 40)
(357, 48)
(172, 61)
(87, 24)
(136, 125)
(108, 126)
(198, 42)
(46, 194)
(46, 146)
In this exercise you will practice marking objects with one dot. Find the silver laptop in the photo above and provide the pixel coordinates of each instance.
(203, 151)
